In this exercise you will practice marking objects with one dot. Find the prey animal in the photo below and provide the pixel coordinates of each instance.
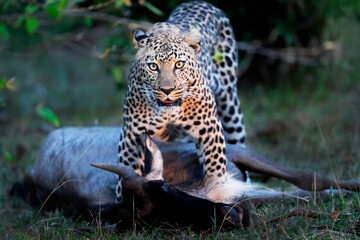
(62, 177)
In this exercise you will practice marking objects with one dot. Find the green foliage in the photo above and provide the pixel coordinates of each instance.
(28, 18)
(282, 17)
(31, 24)
(117, 74)
(10, 84)
(88, 22)
(19, 21)
(8, 156)
(53, 11)
(30, 9)
(3, 31)
(6, 84)
(54, 8)
(217, 56)
(48, 115)
(153, 9)
(119, 3)
(2, 83)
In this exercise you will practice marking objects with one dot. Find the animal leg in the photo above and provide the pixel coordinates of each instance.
(132, 150)
(131, 153)
(224, 85)
(307, 180)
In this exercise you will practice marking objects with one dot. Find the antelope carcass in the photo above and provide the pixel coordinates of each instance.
(62, 177)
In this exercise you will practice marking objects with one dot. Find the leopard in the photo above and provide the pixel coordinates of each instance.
(182, 84)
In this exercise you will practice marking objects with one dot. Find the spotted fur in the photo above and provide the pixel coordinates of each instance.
(177, 88)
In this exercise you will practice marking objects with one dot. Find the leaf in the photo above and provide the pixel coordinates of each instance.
(5, 6)
(10, 84)
(105, 53)
(217, 56)
(3, 31)
(127, 2)
(48, 115)
(88, 22)
(119, 3)
(116, 72)
(8, 156)
(31, 24)
(19, 21)
(30, 9)
(53, 11)
(2, 83)
(62, 4)
(335, 216)
(154, 9)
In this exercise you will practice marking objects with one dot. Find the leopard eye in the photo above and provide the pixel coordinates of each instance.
(179, 64)
(153, 66)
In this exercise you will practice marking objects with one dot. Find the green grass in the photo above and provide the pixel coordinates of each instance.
(310, 121)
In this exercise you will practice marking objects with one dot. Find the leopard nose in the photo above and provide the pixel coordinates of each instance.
(167, 91)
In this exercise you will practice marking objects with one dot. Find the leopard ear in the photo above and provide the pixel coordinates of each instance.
(139, 38)
(193, 39)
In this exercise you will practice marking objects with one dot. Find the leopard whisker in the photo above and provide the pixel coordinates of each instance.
(177, 94)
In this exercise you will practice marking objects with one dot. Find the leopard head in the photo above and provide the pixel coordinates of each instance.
(166, 63)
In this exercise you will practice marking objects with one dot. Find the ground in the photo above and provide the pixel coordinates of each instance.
(310, 120)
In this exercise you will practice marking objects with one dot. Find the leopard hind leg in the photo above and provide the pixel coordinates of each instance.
(224, 84)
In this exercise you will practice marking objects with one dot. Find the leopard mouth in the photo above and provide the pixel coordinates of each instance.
(169, 103)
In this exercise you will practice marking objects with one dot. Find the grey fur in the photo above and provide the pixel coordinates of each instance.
(66, 154)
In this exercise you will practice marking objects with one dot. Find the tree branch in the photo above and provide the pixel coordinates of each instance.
(130, 23)
(303, 56)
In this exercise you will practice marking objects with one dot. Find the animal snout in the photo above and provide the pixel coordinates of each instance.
(234, 216)
(167, 91)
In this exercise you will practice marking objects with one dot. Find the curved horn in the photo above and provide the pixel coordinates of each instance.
(119, 169)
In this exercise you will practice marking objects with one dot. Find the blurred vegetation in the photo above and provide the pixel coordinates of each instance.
(65, 63)
(102, 29)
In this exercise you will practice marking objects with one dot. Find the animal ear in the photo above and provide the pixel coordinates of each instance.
(193, 39)
(139, 38)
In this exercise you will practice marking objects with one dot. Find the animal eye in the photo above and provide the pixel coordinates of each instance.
(153, 66)
(179, 64)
